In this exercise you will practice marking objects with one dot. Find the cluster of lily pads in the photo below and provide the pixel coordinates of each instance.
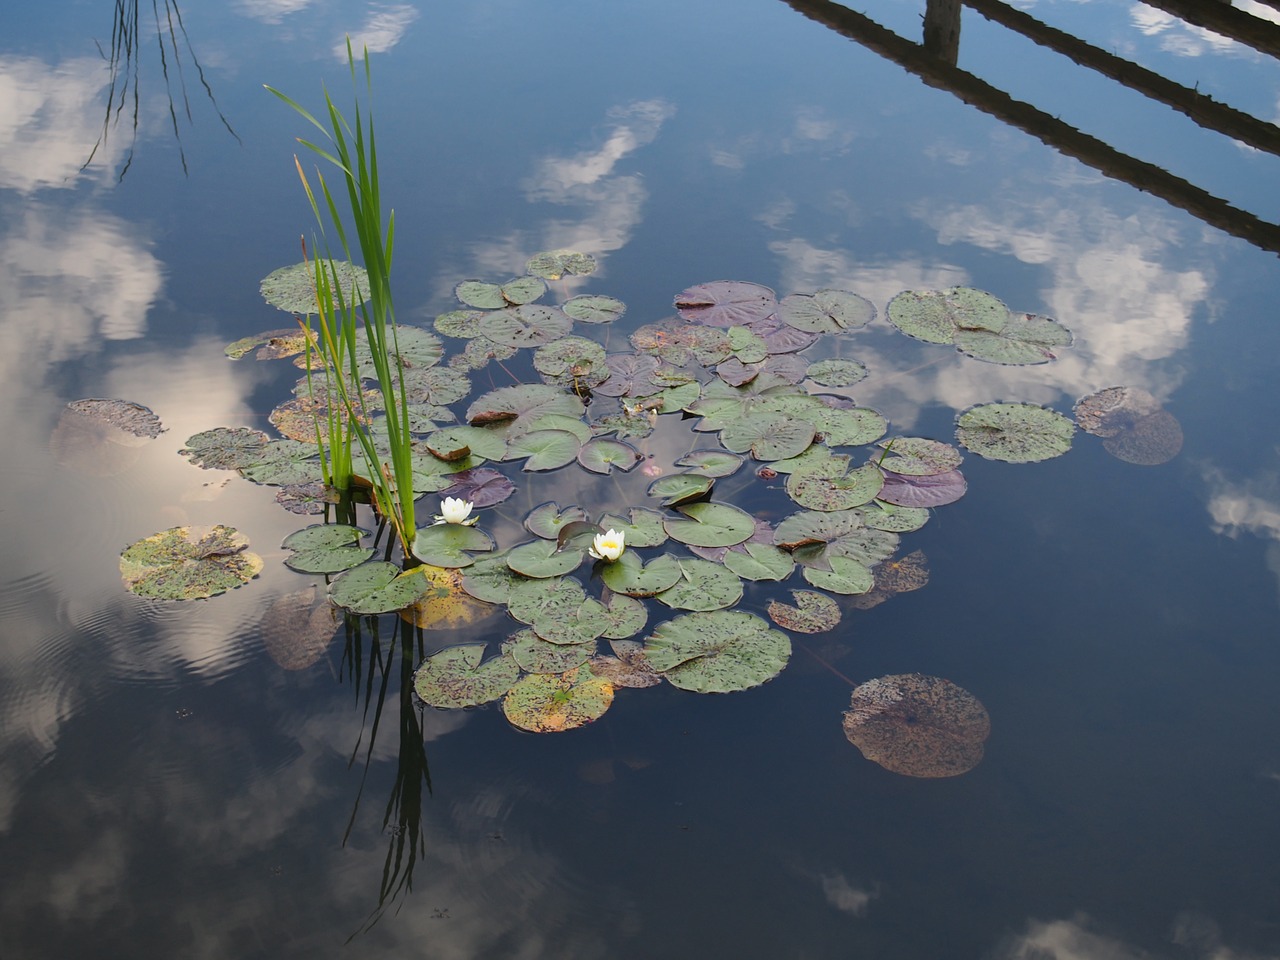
(729, 365)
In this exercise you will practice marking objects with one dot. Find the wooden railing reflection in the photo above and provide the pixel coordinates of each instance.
(934, 61)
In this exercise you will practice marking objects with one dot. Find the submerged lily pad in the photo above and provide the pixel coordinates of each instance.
(1149, 441)
(549, 703)
(296, 630)
(445, 605)
(293, 289)
(188, 563)
(1014, 432)
(718, 652)
(627, 668)
(917, 725)
(458, 677)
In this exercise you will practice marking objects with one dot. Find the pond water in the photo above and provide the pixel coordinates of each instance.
(169, 789)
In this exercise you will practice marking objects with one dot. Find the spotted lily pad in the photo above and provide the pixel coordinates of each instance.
(935, 315)
(225, 448)
(460, 677)
(532, 600)
(188, 563)
(555, 264)
(377, 587)
(759, 561)
(812, 613)
(627, 668)
(630, 575)
(326, 548)
(293, 289)
(917, 456)
(1014, 432)
(537, 655)
(844, 576)
(594, 309)
(641, 527)
(717, 652)
(627, 616)
(572, 361)
(917, 725)
(836, 373)
(573, 625)
(549, 703)
(526, 326)
(703, 585)
(820, 492)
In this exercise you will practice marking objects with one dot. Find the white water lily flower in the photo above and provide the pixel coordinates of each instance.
(608, 546)
(456, 510)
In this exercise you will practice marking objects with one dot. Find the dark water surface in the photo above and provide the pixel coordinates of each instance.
(168, 790)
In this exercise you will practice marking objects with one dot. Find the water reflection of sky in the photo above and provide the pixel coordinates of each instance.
(138, 806)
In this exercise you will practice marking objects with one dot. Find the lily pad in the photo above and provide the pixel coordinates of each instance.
(542, 558)
(445, 605)
(717, 652)
(812, 613)
(726, 303)
(703, 586)
(837, 373)
(769, 436)
(450, 544)
(462, 324)
(603, 455)
(284, 462)
(526, 326)
(377, 587)
(1014, 432)
(572, 361)
(296, 631)
(293, 289)
(818, 492)
(490, 579)
(845, 576)
(935, 315)
(225, 448)
(827, 311)
(549, 703)
(934, 490)
(760, 561)
(710, 525)
(632, 576)
(326, 548)
(627, 668)
(573, 625)
(917, 725)
(532, 600)
(642, 527)
(917, 456)
(544, 449)
(481, 294)
(594, 309)
(1022, 338)
(555, 264)
(711, 463)
(458, 677)
(525, 402)
(482, 486)
(547, 520)
(680, 488)
(188, 563)
(627, 616)
(536, 655)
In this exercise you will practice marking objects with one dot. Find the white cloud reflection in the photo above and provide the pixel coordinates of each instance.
(1184, 39)
(50, 119)
(1193, 936)
(384, 27)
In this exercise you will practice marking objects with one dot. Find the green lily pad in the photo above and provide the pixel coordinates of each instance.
(603, 455)
(527, 326)
(536, 655)
(549, 703)
(642, 527)
(845, 576)
(523, 290)
(710, 525)
(480, 442)
(935, 315)
(817, 492)
(711, 463)
(573, 626)
(827, 311)
(848, 428)
(837, 533)
(1014, 432)
(627, 616)
(544, 449)
(554, 264)
(918, 457)
(892, 518)
(836, 373)
(747, 347)
(534, 599)
(630, 575)
(450, 544)
(284, 462)
(769, 436)
(1022, 338)
(462, 324)
(572, 361)
(457, 677)
(326, 548)
(594, 309)
(525, 402)
(377, 587)
(761, 561)
(542, 558)
(490, 579)
(680, 488)
(547, 520)
(813, 612)
(481, 294)
(188, 563)
(703, 586)
(721, 651)
(293, 289)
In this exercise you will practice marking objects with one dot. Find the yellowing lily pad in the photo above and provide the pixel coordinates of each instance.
(550, 703)
(813, 612)
(188, 563)
(445, 605)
